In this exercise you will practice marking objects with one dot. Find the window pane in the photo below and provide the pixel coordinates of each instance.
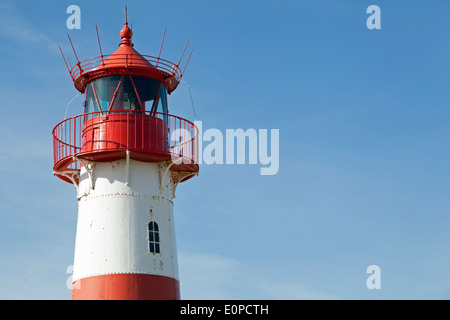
(126, 97)
(162, 99)
(148, 92)
(105, 88)
(91, 102)
(146, 88)
(153, 237)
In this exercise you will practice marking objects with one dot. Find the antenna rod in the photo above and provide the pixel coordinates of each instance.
(186, 63)
(73, 48)
(126, 13)
(160, 49)
(183, 52)
(162, 42)
(65, 60)
(70, 65)
(99, 45)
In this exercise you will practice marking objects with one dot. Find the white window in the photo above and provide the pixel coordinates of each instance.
(153, 238)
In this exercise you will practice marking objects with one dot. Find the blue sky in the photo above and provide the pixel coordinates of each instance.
(364, 122)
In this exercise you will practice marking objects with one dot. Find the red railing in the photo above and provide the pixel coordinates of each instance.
(131, 61)
(151, 134)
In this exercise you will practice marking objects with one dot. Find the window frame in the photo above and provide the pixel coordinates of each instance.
(153, 227)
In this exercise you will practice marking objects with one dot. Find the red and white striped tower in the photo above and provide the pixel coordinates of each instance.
(125, 155)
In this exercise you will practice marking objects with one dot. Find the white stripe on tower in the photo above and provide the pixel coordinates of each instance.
(125, 232)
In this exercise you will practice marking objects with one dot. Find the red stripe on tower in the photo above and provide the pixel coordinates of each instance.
(126, 287)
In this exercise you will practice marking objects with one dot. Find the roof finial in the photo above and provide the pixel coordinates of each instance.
(126, 33)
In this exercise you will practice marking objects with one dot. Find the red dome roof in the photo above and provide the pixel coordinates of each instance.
(126, 55)
(126, 60)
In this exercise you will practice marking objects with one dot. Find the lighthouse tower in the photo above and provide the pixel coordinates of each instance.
(126, 155)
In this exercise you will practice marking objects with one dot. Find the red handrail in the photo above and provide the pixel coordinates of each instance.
(182, 136)
(157, 62)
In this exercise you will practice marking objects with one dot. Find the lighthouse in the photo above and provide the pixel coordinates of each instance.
(125, 154)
